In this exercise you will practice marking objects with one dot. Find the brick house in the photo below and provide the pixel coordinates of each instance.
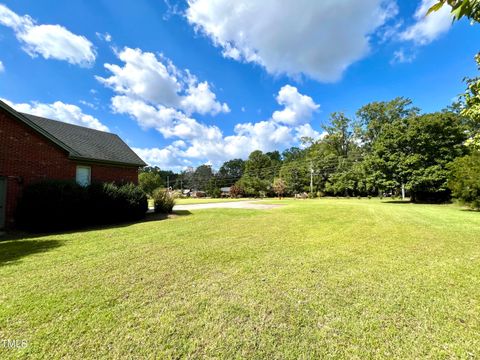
(34, 148)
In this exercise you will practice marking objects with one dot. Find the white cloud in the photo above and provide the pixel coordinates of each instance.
(428, 28)
(263, 135)
(12, 20)
(317, 38)
(400, 56)
(390, 31)
(157, 81)
(60, 111)
(104, 37)
(167, 157)
(88, 104)
(168, 121)
(157, 95)
(197, 142)
(298, 108)
(49, 41)
(306, 131)
(2, 67)
(200, 99)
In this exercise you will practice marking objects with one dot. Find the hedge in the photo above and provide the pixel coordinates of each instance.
(58, 205)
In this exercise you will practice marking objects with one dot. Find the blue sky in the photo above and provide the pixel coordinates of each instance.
(203, 81)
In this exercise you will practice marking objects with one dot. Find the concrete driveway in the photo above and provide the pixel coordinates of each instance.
(227, 205)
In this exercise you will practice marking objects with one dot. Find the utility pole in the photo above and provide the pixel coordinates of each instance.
(403, 191)
(311, 179)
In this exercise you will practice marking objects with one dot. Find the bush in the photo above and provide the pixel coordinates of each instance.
(51, 205)
(465, 180)
(236, 191)
(176, 194)
(149, 181)
(163, 201)
(214, 193)
(130, 202)
(59, 205)
(431, 197)
(110, 203)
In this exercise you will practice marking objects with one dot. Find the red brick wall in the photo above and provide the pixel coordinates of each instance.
(105, 173)
(26, 157)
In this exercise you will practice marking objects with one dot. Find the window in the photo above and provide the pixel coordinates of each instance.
(83, 175)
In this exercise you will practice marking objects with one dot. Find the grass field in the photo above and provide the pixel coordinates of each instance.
(313, 279)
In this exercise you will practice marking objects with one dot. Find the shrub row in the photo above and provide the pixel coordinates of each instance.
(58, 205)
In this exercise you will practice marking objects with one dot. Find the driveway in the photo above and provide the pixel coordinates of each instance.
(227, 205)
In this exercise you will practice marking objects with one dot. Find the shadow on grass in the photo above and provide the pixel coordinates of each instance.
(181, 213)
(417, 202)
(397, 202)
(12, 251)
(149, 217)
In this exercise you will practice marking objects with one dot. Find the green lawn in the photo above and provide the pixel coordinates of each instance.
(313, 279)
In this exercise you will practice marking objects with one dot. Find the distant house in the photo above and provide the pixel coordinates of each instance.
(198, 194)
(33, 148)
(225, 191)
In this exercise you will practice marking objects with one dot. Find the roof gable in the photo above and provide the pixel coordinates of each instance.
(81, 143)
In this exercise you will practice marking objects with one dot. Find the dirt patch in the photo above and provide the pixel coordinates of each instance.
(228, 205)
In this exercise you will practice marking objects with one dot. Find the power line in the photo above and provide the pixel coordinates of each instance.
(323, 166)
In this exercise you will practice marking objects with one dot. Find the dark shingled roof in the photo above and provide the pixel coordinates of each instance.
(88, 144)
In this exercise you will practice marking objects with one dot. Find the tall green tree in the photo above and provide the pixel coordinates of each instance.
(258, 175)
(149, 181)
(187, 178)
(259, 165)
(340, 134)
(230, 172)
(374, 116)
(296, 175)
(292, 154)
(459, 8)
(465, 179)
(333, 157)
(471, 110)
(276, 160)
(166, 175)
(433, 142)
(254, 186)
(202, 176)
(416, 152)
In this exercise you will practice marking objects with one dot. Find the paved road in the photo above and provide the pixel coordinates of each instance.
(227, 205)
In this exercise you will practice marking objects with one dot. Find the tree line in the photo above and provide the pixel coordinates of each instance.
(389, 148)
